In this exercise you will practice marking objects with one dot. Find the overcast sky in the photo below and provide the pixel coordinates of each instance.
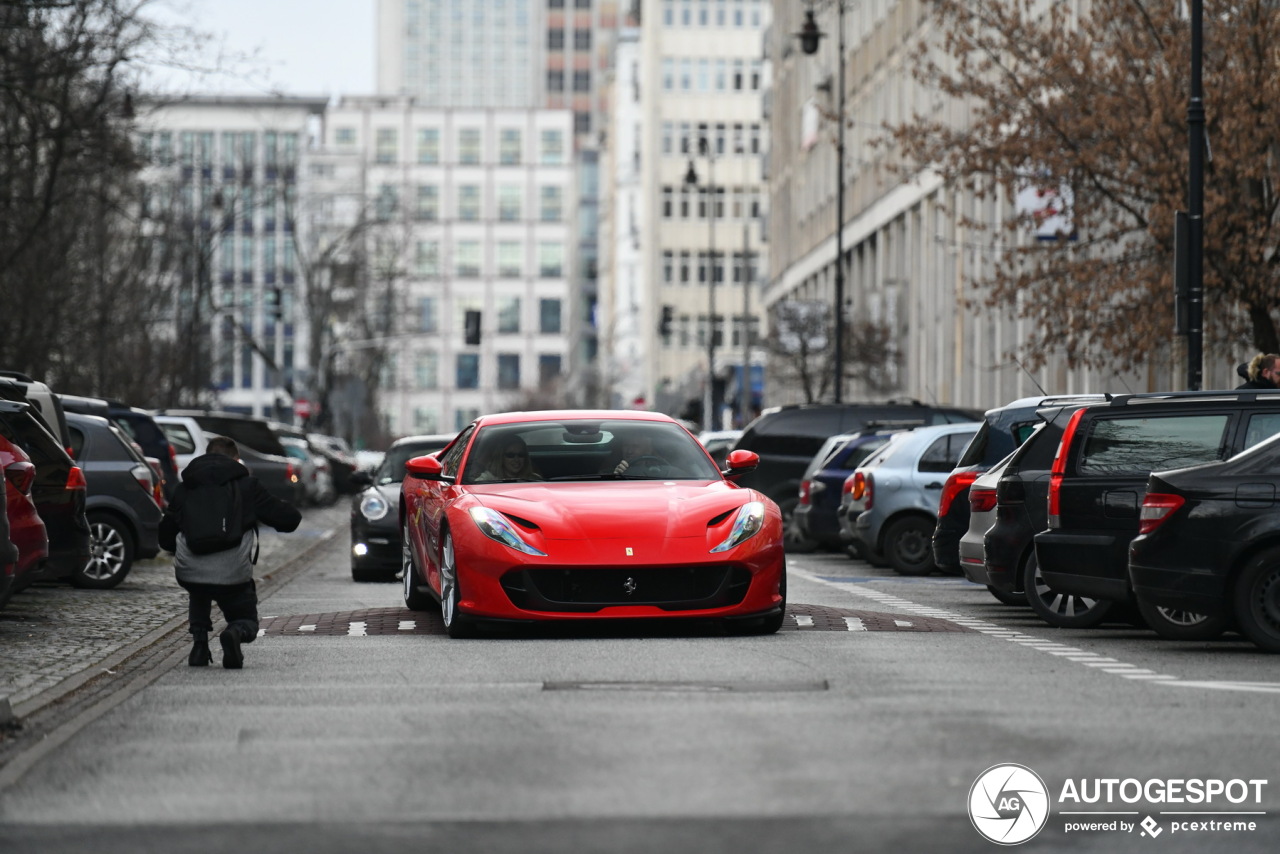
(297, 47)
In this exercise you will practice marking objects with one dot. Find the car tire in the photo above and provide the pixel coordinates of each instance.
(767, 625)
(793, 539)
(1007, 598)
(1257, 600)
(1177, 624)
(1063, 611)
(457, 624)
(111, 553)
(414, 598)
(908, 546)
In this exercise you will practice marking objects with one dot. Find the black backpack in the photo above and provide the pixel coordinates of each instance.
(213, 517)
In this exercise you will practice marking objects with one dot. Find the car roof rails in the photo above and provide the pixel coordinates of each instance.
(17, 375)
(1218, 394)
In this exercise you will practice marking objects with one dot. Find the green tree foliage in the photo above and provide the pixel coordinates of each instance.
(1096, 104)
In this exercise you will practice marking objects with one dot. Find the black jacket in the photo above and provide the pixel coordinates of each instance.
(259, 505)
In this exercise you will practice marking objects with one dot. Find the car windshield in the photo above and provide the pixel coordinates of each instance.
(585, 450)
(391, 469)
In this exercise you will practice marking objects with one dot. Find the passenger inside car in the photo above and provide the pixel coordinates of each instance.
(508, 461)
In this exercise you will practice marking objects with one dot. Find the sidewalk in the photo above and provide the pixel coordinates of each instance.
(54, 637)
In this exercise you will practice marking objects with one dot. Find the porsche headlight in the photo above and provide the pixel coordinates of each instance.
(750, 519)
(497, 528)
(373, 506)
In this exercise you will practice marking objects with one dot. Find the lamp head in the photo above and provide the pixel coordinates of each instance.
(809, 34)
(691, 176)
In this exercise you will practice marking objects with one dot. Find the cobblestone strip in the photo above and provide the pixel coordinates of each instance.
(51, 715)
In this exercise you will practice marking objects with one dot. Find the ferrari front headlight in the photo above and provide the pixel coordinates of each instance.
(746, 524)
(495, 527)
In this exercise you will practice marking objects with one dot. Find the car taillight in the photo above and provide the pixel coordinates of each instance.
(21, 474)
(958, 482)
(1157, 507)
(868, 491)
(804, 493)
(1060, 468)
(859, 488)
(290, 473)
(75, 478)
(846, 488)
(982, 500)
(142, 474)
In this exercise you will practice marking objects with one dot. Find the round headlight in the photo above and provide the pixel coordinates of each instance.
(373, 506)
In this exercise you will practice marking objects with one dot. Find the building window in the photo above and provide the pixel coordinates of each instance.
(387, 203)
(468, 370)
(509, 202)
(510, 259)
(508, 371)
(426, 259)
(428, 145)
(424, 419)
(581, 122)
(469, 146)
(548, 368)
(582, 81)
(555, 39)
(469, 202)
(551, 203)
(549, 316)
(551, 260)
(555, 81)
(387, 146)
(552, 146)
(510, 147)
(582, 40)
(467, 262)
(509, 315)
(342, 137)
(428, 207)
(428, 319)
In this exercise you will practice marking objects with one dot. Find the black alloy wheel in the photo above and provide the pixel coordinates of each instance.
(1257, 600)
(414, 599)
(908, 546)
(110, 553)
(1060, 610)
(1177, 624)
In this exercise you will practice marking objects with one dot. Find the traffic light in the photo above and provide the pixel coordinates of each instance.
(472, 328)
(668, 315)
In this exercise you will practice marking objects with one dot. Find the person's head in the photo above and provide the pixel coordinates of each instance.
(512, 459)
(223, 445)
(1265, 366)
(635, 444)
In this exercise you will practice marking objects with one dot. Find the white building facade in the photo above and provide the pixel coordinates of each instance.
(454, 212)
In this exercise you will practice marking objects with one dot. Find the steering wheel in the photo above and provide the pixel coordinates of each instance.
(653, 462)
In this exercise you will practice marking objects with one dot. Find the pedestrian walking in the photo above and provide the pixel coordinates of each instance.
(1263, 372)
(211, 527)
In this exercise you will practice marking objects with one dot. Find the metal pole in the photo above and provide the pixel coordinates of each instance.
(708, 404)
(1195, 203)
(744, 388)
(839, 298)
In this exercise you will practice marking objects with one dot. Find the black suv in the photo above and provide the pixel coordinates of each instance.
(1100, 471)
(788, 437)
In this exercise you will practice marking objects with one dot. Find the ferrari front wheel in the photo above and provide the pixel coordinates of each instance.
(414, 599)
(455, 622)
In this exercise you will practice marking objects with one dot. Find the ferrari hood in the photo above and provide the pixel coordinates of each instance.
(646, 510)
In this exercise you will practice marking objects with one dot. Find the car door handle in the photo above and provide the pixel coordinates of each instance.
(934, 485)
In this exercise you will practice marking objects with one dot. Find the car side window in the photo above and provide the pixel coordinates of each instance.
(452, 458)
(77, 442)
(1262, 425)
(1140, 445)
(180, 438)
(944, 453)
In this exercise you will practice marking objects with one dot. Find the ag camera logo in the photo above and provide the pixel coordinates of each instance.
(1008, 804)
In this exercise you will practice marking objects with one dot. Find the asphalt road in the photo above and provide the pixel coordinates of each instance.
(863, 726)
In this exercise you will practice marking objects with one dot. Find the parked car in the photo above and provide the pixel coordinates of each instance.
(278, 474)
(816, 518)
(376, 547)
(124, 519)
(787, 438)
(1003, 429)
(141, 428)
(45, 405)
(342, 462)
(313, 471)
(247, 430)
(24, 542)
(58, 493)
(585, 542)
(1100, 473)
(902, 494)
(853, 500)
(981, 498)
(1209, 544)
(185, 435)
(1009, 567)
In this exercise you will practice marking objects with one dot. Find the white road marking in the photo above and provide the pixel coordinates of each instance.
(804, 621)
(854, 624)
(357, 630)
(407, 625)
(307, 628)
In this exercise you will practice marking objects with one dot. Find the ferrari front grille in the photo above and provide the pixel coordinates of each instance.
(587, 589)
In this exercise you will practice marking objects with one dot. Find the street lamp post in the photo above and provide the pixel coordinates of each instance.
(810, 36)
(691, 179)
(1195, 203)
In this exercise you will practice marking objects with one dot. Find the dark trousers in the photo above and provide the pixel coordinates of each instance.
(238, 603)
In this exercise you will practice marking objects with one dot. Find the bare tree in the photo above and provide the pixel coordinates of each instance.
(1093, 110)
(803, 354)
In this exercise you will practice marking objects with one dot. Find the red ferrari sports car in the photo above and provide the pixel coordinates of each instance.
(531, 516)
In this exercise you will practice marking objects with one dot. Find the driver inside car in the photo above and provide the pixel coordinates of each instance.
(636, 448)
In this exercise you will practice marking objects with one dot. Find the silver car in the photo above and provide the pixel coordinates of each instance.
(902, 493)
(982, 515)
